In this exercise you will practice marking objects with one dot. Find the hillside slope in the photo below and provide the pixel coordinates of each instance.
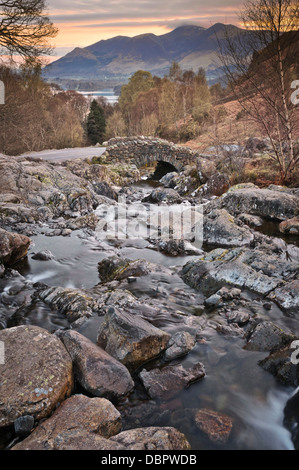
(121, 56)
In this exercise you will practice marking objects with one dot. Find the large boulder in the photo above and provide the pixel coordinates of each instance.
(36, 375)
(221, 268)
(267, 203)
(96, 371)
(216, 185)
(220, 229)
(130, 339)
(13, 247)
(260, 270)
(206, 168)
(77, 415)
(83, 423)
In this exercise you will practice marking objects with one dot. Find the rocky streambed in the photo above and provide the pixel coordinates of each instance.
(142, 343)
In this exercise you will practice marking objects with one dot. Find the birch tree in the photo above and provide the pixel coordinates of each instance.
(260, 64)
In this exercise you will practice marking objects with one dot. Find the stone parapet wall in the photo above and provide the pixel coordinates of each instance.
(142, 151)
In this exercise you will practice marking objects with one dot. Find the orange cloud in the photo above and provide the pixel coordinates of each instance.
(94, 20)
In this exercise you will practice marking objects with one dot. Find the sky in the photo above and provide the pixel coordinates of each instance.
(84, 22)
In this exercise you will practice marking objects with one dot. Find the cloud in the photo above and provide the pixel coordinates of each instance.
(116, 11)
(83, 22)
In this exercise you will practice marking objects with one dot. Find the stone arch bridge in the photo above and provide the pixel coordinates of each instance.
(142, 151)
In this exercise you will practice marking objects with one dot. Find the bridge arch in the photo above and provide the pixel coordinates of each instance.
(142, 151)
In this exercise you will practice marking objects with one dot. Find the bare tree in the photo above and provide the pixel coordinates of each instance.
(25, 29)
(260, 64)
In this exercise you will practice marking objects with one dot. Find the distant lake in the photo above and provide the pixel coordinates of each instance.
(107, 93)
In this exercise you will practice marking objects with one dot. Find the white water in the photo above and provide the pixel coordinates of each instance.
(265, 419)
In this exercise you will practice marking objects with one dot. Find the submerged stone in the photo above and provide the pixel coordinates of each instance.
(216, 426)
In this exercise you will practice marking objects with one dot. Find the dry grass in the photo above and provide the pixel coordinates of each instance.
(233, 129)
(229, 129)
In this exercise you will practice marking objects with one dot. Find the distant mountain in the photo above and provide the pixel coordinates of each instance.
(120, 57)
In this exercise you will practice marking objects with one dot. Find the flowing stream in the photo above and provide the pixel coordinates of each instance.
(234, 384)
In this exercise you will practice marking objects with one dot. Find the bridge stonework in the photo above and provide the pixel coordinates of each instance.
(142, 151)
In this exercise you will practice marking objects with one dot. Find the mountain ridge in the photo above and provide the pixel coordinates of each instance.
(121, 56)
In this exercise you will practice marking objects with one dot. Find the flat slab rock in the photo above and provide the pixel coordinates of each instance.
(167, 381)
(98, 373)
(37, 373)
(258, 270)
(270, 203)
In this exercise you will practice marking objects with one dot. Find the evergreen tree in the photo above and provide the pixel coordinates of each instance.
(96, 123)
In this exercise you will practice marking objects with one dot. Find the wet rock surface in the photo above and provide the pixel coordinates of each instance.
(216, 426)
(71, 302)
(13, 247)
(45, 255)
(96, 371)
(115, 268)
(167, 381)
(179, 344)
(287, 296)
(266, 336)
(260, 269)
(92, 415)
(130, 339)
(290, 225)
(168, 331)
